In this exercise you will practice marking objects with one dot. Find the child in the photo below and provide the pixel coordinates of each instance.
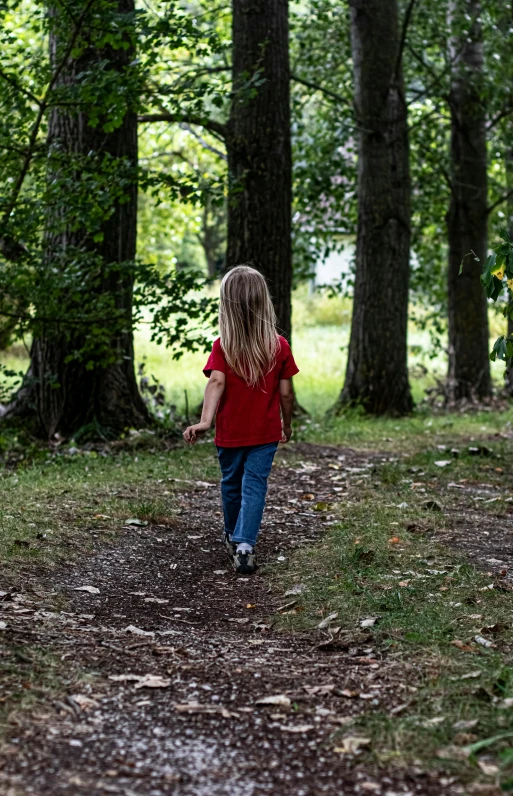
(249, 373)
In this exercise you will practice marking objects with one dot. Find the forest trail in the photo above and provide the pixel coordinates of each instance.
(169, 607)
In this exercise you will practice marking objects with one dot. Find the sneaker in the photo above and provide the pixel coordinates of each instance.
(230, 546)
(244, 560)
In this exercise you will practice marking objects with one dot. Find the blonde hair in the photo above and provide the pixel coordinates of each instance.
(247, 324)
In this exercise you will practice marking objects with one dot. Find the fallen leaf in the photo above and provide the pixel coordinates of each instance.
(349, 694)
(465, 724)
(196, 707)
(155, 600)
(153, 681)
(135, 521)
(325, 622)
(352, 744)
(297, 727)
(277, 699)
(370, 622)
(488, 769)
(85, 702)
(321, 506)
(125, 678)
(461, 645)
(308, 496)
(319, 689)
(443, 462)
(250, 605)
(434, 722)
(90, 589)
(240, 621)
(137, 631)
(403, 583)
(394, 540)
(453, 753)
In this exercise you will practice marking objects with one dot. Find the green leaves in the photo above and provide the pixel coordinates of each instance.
(502, 349)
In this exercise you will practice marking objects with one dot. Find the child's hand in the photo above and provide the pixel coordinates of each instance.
(193, 432)
(286, 433)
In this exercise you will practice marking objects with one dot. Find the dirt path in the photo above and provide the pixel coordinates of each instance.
(169, 606)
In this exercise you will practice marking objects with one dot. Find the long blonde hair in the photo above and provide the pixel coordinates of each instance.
(247, 324)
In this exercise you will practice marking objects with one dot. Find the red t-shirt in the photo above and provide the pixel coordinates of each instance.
(250, 415)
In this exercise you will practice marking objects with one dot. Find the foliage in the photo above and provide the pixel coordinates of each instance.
(498, 275)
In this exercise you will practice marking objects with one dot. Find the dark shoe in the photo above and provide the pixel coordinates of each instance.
(244, 563)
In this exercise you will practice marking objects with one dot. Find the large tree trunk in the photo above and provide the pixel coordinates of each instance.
(67, 394)
(467, 221)
(377, 374)
(259, 150)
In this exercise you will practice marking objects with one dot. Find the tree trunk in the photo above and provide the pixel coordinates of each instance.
(377, 374)
(467, 220)
(259, 149)
(67, 394)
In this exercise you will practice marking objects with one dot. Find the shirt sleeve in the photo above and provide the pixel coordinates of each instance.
(289, 367)
(216, 360)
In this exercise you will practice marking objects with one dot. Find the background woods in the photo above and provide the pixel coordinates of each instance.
(275, 132)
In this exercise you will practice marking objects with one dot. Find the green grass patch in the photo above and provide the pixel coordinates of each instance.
(57, 503)
(430, 605)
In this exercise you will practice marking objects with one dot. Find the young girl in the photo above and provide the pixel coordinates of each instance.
(249, 373)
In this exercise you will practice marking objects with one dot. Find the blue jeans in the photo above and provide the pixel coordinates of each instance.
(243, 488)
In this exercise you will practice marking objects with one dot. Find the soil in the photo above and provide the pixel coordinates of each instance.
(168, 605)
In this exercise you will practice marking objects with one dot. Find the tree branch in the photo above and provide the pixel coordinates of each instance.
(500, 116)
(43, 105)
(327, 91)
(436, 78)
(204, 143)
(218, 128)
(500, 200)
(13, 82)
(404, 31)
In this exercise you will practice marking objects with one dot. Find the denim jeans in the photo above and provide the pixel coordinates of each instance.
(243, 488)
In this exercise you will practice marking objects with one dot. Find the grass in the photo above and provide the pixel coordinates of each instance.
(57, 502)
(425, 598)
(321, 328)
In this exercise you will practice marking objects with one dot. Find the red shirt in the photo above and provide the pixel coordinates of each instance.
(250, 415)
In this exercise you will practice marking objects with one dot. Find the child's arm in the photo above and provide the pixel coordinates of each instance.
(287, 405)
(213, 393)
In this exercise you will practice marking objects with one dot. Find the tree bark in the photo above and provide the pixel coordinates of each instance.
(377, 373)
(259, 149)
(467, 219)
(67, 395)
